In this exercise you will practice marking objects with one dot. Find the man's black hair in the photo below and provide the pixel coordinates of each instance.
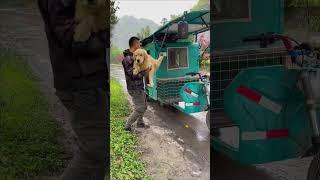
(132, 39)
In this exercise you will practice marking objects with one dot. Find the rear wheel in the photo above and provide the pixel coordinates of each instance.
(314, 169)
(208, 119)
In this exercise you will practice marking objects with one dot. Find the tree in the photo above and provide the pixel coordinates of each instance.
(172, 17)
(145, 32)
(202, 4)
(113, 18)
(116, 55)
(204, 43)
(164, 21)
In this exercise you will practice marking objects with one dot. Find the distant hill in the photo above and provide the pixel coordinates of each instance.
(128, 26)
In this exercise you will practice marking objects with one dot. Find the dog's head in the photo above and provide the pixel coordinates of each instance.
(93, 3)
(139, 56)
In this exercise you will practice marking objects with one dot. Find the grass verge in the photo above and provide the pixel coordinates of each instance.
(28, 133)
(125, 158)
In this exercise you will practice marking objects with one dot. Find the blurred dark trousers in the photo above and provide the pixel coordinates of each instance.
(89, 110)
(139, 100)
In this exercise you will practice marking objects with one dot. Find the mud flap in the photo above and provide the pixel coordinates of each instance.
(193, 98)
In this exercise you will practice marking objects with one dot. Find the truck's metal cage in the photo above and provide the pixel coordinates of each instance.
(225, 67)
(169, 89)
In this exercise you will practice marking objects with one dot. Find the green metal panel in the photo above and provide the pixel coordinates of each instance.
(152, 91)
(151, 49)
(278, 84)
(266, 16)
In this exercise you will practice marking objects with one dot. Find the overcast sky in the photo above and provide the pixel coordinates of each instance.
(153, 9)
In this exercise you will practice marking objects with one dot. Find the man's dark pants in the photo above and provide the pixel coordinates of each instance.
(139, 107)
(89, 120)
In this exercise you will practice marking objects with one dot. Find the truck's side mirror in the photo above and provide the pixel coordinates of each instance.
(183, 28)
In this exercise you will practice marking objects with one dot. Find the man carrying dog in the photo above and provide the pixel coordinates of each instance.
(81, 82)
(135, 86)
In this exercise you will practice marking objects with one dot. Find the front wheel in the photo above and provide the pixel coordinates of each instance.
(208, 119)
(314, 169)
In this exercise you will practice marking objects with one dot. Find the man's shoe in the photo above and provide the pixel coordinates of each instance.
(142, 125)
(127, 128)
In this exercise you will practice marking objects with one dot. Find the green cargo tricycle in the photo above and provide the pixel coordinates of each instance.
(178, 82)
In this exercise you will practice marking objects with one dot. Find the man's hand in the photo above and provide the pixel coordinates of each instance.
(142, 74)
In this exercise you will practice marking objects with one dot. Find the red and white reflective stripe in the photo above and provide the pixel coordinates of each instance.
(259, 99)
(183, 104)
(193, 104)
(259, 135)
(190, 92)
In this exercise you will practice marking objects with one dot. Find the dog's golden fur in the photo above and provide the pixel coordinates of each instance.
(90, 16)
(144, 62)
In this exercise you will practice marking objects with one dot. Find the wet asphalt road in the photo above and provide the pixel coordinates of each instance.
(225, 169)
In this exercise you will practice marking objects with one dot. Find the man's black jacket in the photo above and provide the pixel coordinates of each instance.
(75, 65)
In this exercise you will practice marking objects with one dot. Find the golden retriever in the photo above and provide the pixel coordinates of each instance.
(90, 17)
(144, 62)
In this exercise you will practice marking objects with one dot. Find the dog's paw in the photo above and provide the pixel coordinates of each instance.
(163, 54)
(150, 85)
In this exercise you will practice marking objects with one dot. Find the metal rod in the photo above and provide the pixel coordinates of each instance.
(204, 22)
(164, 39)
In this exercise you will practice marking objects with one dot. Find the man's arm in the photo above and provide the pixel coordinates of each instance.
(126, 66)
